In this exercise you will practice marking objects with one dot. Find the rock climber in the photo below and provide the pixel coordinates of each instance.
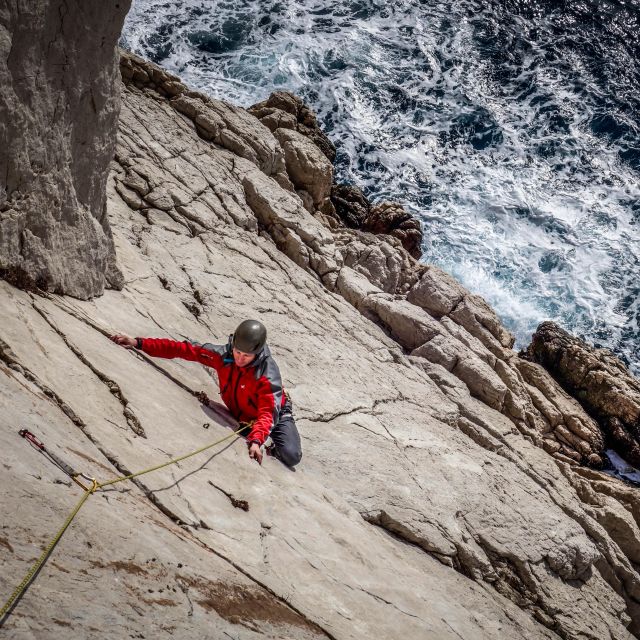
(250, 385)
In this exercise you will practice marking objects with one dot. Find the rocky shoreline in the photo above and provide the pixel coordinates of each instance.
(598, 379)
(449, 487)
(421, 307)
(469, 339)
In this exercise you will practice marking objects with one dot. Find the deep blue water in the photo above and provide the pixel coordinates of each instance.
(511, 129)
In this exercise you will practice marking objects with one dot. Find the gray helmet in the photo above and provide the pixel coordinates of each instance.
(250, 336)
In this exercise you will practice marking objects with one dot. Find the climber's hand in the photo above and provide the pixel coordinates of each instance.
(124, 341)
(255, 452)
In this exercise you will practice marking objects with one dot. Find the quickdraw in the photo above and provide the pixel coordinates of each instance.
(55, 459)
(13, 600)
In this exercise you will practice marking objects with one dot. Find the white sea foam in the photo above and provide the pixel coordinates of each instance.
(520, 199)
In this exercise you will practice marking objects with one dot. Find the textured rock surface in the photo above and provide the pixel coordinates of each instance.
(58, 118)
(392, 219)
(284, 110)
(422, 508)
(599, 380)
(307, 166)
(296, 128)
(351, 205)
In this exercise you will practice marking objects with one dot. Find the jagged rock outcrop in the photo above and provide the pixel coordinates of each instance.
(598, 379)
(351, 205)
(284, 110)
(310, 171)
(440, 321)
(58, 118)
(391, 218)
(296, 128)
(423, 506)
(354, 209)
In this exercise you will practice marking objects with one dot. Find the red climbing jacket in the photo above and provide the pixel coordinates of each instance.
(252, 393)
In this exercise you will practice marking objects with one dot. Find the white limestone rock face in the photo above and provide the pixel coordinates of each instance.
(58, 117)
(421, 508)
(431, 314)
(308, 168)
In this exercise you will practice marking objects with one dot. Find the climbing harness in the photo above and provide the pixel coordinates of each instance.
(88, 491)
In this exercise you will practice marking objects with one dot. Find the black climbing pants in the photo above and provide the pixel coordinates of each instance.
(285, 436)
(286, 439)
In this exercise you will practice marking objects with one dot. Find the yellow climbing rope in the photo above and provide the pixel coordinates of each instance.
(20, 589)
(172, 461)
(95, 485)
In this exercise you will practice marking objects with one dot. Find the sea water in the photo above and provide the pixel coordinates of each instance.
(511, 129)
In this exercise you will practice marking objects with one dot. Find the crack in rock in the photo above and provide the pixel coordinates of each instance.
(150, 361)
(380, 518)
(9, 358)
(238, 504)
(185, 589)
(367, 409)
(375, 596)
(114, 388)
(330, 417)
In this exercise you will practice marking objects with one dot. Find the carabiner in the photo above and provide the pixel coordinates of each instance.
(93, 481)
